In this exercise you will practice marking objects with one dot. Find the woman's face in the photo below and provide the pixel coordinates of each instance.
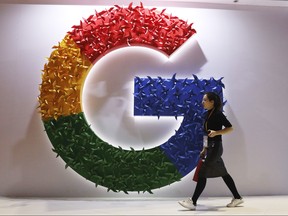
(207, 104)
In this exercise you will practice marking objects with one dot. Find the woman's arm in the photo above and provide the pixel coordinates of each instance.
(213, 133)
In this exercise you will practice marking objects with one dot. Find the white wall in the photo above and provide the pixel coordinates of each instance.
(249, 48)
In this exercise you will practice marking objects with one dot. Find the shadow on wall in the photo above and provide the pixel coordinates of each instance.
(34, 170)
(235, 146)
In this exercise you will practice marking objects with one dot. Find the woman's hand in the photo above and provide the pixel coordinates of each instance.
(212, 133)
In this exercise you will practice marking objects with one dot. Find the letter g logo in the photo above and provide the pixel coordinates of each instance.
(65, 122)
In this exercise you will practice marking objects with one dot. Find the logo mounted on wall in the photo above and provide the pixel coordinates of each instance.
(65, 122)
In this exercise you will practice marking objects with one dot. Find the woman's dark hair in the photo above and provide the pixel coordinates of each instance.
(217, 101)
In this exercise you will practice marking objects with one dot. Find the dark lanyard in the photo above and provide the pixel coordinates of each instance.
(206, 122)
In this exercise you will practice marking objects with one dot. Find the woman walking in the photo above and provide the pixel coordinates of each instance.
(216, 124)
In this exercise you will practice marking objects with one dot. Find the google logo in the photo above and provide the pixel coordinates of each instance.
(65, 122)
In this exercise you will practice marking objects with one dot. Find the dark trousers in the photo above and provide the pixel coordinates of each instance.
(202, 183)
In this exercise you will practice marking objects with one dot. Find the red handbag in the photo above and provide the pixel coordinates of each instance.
(195, 177)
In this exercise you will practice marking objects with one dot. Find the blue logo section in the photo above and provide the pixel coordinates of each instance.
(177, 97)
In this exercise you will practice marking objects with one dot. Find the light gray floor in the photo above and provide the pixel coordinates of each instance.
(253, 205)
